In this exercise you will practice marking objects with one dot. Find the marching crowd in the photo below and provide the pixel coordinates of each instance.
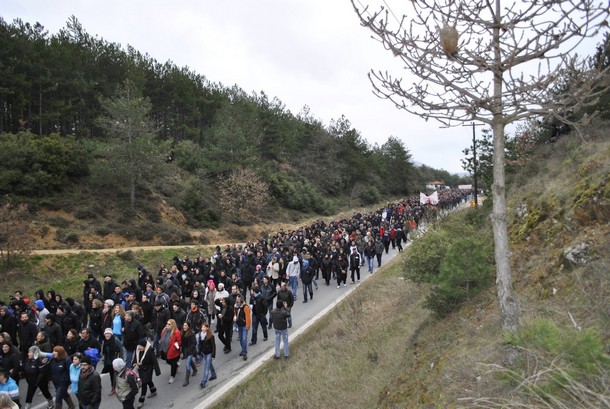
(176, 313)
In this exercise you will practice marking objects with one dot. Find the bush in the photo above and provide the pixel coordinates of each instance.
(465, 270)
(66, 237)
(423, 261)
(559, 367)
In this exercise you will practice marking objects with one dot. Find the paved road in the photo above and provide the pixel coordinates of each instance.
(231, 368)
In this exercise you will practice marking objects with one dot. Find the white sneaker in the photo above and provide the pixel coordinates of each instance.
(171, 379)
(343, 284)
(338, 286)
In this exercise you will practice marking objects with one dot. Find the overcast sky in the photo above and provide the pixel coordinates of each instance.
(312, 53)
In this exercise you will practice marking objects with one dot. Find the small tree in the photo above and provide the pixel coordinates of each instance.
(494, 63)
(134, 155)
(15, 237)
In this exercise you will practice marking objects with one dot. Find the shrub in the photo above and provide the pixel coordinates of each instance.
(66, 237)
(559, 367)
(422, 263)
(465, 270)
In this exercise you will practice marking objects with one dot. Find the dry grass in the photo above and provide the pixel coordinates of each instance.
(349, 357)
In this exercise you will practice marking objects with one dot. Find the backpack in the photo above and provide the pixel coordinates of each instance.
(94, 354)
(122, 385)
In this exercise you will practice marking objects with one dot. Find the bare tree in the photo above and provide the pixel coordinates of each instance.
(15, 236)
(489, 61)
(241, 194)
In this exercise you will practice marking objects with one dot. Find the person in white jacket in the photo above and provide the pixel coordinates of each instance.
(293, 271)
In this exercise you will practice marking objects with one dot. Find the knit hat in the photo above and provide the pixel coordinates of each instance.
(109, 302)
(142, 342)
(86, 359)
(39, 305)
(118, 364)
(108, 331)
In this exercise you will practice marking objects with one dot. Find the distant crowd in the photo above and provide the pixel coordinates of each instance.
(174, 312)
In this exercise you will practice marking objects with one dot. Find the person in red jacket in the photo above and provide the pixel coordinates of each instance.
(170, 344)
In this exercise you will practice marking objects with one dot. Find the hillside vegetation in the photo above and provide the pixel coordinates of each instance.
(108, 147)
(381, 348)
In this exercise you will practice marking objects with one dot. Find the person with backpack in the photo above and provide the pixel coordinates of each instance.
(126, 383)
(145, 363)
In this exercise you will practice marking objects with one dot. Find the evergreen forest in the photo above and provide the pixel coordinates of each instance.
(83, 116)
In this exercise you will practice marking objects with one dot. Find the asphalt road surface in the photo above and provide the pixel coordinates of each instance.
(231, 368)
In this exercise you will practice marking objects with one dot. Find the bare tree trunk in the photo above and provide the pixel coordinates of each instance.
(509, 309)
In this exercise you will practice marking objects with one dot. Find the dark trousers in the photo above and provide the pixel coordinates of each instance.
(256, 319)
(225, 334)
(44, 388)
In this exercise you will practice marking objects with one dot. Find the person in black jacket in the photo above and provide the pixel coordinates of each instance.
(37, 376)
(112, 348)
(280, 316)
(8, 323)
(189, 350)
(53, 330)
(27, 332)
(206, 347)
(133, 331)
(145, 361)
(10, 361)
(225, 323)
(60, 376)
(259, 313)
(160, 317)
(89, 385)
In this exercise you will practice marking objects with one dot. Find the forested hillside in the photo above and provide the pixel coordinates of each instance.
(118, 140)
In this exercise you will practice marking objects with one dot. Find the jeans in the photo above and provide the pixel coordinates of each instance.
(294, 284)
(243, 339)
(371, 261)
(190, 363)
(209, 369)
(379, 259)
(129, 358)
(281, 335)
(256, 319)
(307, 288)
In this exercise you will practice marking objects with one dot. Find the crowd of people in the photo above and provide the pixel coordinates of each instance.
(176, 313)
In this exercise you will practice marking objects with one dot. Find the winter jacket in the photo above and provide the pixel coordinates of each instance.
(146, 362)
(279, 318)
(74, 377)
(206, 346)
(89, 387)
(10, 387)
(60, 371)
(36, 371)
(189, 343)
(173, 351)
(133, 331)
(126, 386)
